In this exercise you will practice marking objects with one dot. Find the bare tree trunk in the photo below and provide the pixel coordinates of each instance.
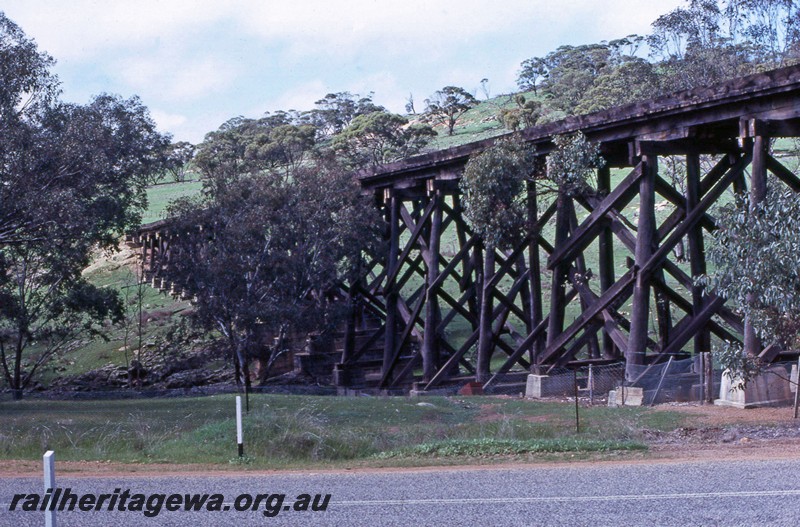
(16, 384)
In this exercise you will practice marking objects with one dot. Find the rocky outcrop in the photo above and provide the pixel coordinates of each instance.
(155, 371)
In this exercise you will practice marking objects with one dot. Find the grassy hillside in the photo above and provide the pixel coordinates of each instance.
(159, 312)
(160, 196)
(480, 122)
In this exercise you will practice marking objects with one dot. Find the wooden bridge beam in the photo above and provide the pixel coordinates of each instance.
(568, 249)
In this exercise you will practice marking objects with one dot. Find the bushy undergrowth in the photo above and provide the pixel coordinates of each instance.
(506, 447)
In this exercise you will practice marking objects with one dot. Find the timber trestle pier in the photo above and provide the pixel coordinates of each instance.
(606, 276)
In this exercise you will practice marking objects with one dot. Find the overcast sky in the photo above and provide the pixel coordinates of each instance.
(196, 64)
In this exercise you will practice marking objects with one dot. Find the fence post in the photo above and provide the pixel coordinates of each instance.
(590, 382)
(703, 381)
(49, 461)
(660, 381)
(796, 389)
(239, 435)
(577, 413)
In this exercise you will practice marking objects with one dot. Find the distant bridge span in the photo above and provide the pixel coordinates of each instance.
(600, 281)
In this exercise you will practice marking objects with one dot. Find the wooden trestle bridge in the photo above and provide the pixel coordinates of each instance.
(605, 276)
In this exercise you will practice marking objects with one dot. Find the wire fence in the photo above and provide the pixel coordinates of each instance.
(672, 381)
(593, 382)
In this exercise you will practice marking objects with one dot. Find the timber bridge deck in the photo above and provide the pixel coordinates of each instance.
(599, 278)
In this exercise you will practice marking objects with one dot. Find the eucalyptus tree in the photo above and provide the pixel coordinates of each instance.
(708, 41)
(493, 186)
(270, 255)
(581, 79)
(448, 105)
(496, 188)
(178, 157)
(532, 73)
(72, 179)
(335, 111)
(378, 138)
(526, 113)
(771, 26)
(249, 146)
(754, 257)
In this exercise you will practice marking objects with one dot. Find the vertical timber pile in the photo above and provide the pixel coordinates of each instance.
(606, 256)
(645, 241)
(430, 345)
(559, 279)
(535, 276)
(697, 263)
(485, 335)
(758, 193)
(390, 289)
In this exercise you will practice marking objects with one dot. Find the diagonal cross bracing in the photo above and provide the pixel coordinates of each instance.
(435, 299)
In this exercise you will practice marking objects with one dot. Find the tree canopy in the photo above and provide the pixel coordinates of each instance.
(272, 253)
(380, 137)
(697, 44)
(754, 257)
(178, 157)
(493, 185)
(754, 261)
(72, 179)
(447, 105)
(335, 111)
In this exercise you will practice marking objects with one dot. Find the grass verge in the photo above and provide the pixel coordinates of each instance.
(311, 432)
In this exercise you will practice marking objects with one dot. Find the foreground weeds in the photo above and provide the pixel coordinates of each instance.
(305, 431)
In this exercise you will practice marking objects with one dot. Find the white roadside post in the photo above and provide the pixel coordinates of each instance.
(797, 389)
(49, 460)
(239, 435)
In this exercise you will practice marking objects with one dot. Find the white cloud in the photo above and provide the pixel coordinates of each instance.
(167, 121)
(201, 62)
(343, 26)
(85, 28)
(300, 97)
(190, 127)
(178, 78)
(387, 90)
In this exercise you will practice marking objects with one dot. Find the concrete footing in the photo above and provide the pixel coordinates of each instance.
(539, 386)
(771, 388)
(596, 381)
(626, 396)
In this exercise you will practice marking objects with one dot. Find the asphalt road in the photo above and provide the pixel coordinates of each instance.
(670, 493)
